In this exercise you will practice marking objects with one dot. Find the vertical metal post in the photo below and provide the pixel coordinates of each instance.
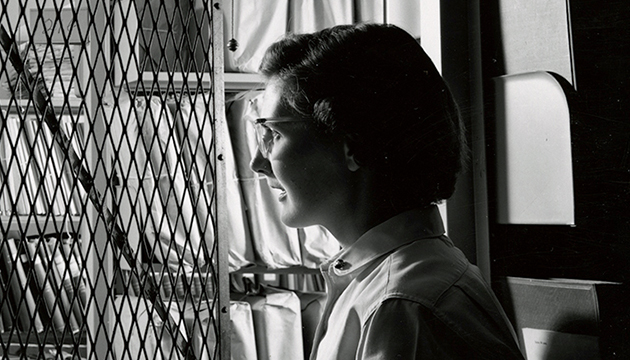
(221, 178)
(478, 143)
(461, 67)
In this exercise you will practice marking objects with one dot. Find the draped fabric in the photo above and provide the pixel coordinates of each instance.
(277, 319)
(312, 15)
(242, 334)
(256, 24)
(317, 245)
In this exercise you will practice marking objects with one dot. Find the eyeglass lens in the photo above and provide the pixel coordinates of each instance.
(264, 139)
(264, 135)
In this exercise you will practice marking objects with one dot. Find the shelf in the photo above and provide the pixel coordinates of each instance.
(51, 337)
(288, 270)
(242, 81)
(72, 105)
(47, 224)
(26, 345)
(164, 82)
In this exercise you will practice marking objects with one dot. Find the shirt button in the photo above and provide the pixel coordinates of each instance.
(340, 264)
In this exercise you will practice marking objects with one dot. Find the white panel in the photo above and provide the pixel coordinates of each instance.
(444, 213)
(536, 36)
(370, 11)
(431, 39)
(534, 168)
(314, 15)
(405, 14)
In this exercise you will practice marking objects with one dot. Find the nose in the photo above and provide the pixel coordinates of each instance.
(260, 164)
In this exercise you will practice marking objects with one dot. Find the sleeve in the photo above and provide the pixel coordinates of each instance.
(404, 329)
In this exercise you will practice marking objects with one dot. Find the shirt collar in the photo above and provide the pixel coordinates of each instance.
(397, 231)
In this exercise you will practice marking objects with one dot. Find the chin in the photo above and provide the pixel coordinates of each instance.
(293, 222)
(296, 219)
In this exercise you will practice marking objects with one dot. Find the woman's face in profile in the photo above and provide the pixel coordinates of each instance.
(310, 176)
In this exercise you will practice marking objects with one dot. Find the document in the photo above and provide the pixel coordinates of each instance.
(553, 345)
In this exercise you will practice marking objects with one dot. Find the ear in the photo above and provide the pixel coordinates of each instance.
(351, 162)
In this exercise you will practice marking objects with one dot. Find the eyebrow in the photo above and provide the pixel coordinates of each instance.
(278, 119)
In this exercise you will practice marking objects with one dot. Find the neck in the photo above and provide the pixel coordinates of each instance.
(361, 214)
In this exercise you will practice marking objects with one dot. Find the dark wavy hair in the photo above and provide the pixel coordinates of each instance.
(375, 87)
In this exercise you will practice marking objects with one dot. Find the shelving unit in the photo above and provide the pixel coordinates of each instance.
(145, 184)
(121, 235)
(242, 81)
(39, 224)
(45, 271)
(61, 106)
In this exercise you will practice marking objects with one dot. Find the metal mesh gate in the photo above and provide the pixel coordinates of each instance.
(108, 180)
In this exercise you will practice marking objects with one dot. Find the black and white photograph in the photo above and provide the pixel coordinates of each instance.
(314, 179)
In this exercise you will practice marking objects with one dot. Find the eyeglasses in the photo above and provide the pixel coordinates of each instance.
(264, 135)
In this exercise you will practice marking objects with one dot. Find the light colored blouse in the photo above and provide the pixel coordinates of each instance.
(404, 291)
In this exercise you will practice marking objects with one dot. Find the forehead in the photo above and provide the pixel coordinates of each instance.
(272, 101)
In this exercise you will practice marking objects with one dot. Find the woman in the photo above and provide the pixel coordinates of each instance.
(360, 134)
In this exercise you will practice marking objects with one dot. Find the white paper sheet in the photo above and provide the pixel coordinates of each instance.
(553, 345)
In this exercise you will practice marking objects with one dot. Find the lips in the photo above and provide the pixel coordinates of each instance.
(283, 192)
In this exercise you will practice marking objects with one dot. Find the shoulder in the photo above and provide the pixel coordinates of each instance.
(437, 275)
(425, 270)
(405, 329)
(431, 282)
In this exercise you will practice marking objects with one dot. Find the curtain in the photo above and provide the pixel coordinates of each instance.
(312, 15)
(256, 24)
